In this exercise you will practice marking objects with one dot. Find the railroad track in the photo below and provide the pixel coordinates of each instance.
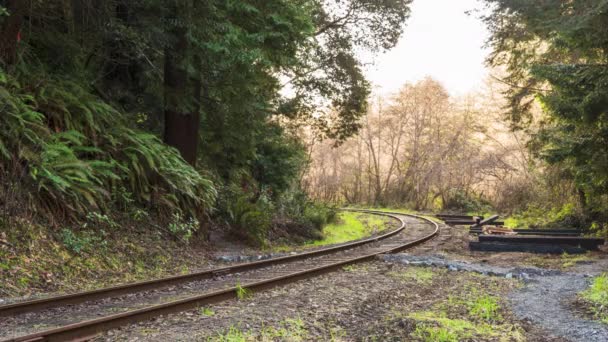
(144, 300)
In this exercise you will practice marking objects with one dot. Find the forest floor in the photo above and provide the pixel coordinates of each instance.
(36, 262)
(406, 302)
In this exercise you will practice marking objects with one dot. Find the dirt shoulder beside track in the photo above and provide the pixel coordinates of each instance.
(376, 301)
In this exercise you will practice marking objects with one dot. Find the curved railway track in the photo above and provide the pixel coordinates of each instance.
(144, 300)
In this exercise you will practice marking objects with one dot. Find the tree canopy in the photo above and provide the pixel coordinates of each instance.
(168, 102)
(556, 52)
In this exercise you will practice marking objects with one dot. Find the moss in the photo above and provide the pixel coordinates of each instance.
(35, 259)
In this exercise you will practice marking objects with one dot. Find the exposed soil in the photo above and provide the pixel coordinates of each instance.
(368, 302)
(549, 298)
(338, 305)
(47, 319)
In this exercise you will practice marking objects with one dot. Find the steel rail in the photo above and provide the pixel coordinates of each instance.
(88, 329)
(115, 291)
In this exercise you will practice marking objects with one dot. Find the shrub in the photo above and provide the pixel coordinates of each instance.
(459, 200)
(319, 215)
(248, 215)
(82, 242)
(183, 228)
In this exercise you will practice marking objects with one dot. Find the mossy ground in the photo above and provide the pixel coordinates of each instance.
(36, 259)
(402, 304)
(351, 226)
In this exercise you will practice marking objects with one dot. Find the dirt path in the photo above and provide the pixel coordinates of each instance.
(546, 300)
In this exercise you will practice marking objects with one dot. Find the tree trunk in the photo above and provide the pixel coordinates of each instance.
(11, 31)
(182, 121)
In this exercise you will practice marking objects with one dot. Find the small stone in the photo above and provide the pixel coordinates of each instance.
(452, 268)
(509, 275)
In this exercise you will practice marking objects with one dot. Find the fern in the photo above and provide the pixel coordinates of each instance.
(76, 149)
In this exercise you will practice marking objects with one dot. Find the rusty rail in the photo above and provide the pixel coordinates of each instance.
(115, 291)
(90, 328)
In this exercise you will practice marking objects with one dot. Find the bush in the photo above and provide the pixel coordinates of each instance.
(181, 228)
(248, 215)
(81, 242)
(319, 215)
(459, 200)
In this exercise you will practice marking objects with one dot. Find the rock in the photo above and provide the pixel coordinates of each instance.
(509, 275)
(452, 268)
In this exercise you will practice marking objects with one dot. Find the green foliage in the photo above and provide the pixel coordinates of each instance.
(82, 242)
(74, 163)
(82, 107)
(182, 228)
(459, 200)
(248, 214)
(241, 292)
(555, 55)
(485, 308)
(319, 215)
(536, 216)
(597, 297)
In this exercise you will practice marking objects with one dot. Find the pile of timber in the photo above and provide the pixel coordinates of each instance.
(549, 232)
(535, 244)
(459, 220)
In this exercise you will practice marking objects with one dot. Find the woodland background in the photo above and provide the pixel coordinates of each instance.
(129, 126)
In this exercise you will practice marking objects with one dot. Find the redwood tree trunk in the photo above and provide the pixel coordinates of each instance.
(10, 30)
(182, 100)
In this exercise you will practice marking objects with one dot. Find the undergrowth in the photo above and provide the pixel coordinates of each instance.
(68, 152)
(34, 259)
(596, 296)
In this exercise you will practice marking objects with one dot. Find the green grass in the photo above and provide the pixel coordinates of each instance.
(288, 330)
(350, 226)
(485, 308)
(206, 312)
(420, 275)
(408, 211)
(569, 260)
(242, 293)
(472, 313)
(597, 297)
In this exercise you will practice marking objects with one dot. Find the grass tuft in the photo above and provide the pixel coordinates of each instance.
(242, 293)
(421, 275)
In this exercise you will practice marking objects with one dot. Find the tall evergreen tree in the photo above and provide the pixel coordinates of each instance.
(557, 52)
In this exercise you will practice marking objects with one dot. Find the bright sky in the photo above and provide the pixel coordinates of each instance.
(441, 41)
